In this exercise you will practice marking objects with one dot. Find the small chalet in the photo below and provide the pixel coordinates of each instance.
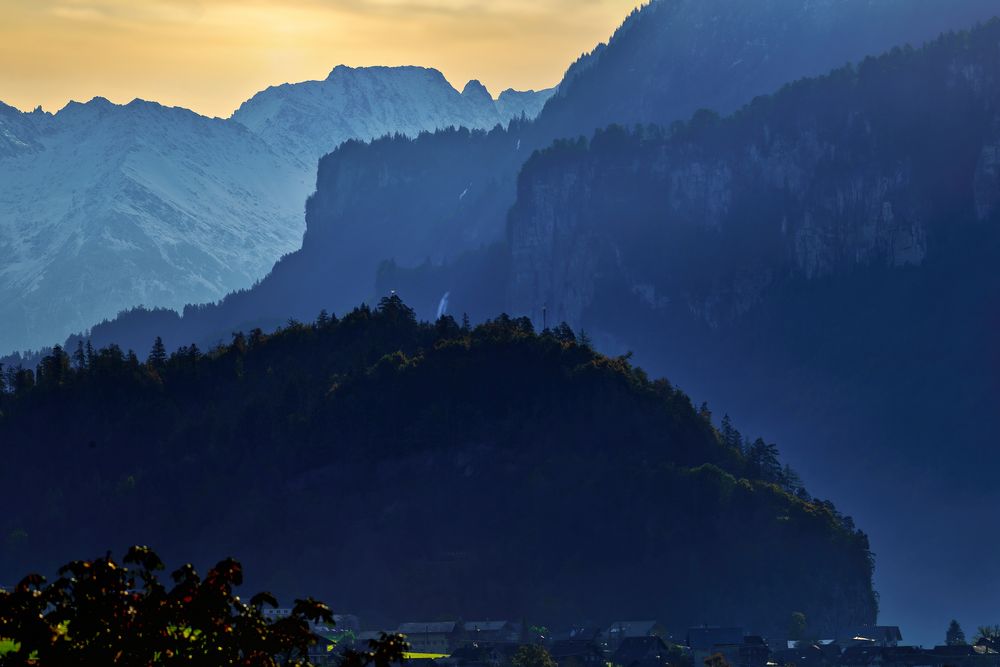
(754, 652)
(650, 651)
(439, 637)
(621, 630)
(492, 631)
(709, 640)
(481, 655)
(885, 636)
(806, 655)
(590, 633)
(577, 653)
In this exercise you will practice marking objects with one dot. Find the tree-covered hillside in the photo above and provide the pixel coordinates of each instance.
(403, 469)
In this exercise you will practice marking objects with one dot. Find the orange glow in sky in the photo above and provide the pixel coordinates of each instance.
(210, 55)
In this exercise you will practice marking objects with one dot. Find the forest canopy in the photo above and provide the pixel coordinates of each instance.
(353, 436)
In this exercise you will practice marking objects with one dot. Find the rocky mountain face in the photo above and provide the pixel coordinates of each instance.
(18, 133)
(105, 207)
(850, 169)
(312, 118)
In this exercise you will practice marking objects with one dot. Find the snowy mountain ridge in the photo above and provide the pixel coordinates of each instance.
(104, 207)
(314, 117)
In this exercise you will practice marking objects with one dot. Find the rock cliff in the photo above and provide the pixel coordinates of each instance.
(860, 167)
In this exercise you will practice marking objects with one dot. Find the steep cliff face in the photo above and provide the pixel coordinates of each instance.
(856, 168)
(18, 132)
(987, 176)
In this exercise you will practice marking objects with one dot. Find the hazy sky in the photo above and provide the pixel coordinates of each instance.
(210, 55)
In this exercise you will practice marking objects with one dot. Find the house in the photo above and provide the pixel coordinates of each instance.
(807, 655)
(648, 651)
(876, 635)
(862, 655)
(362, 638)
(438, 637)
(912, 656)
(709, 640)
(577, 653)
(987, 645)
(326, 650)
(753, 652)
(964, 656)
(492, 631)
(621, 630)
(481, 655)
(590, 633)
(345, 622)
(342, 622)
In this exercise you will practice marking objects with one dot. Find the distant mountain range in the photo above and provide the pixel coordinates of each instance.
(407, 202)
(104, 207)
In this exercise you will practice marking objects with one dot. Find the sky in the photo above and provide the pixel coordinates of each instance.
(210, 55)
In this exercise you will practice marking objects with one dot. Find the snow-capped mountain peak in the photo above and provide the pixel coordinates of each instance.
(312, 118)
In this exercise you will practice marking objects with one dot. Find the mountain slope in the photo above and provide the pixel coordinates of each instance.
(419, 470)
(115, 206)
(106, 207)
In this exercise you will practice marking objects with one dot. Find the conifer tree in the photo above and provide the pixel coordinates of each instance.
(79, 357)
(955, 636)
(731, 437)
(158, 355)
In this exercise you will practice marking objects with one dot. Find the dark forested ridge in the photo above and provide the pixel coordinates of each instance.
(398, 468)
